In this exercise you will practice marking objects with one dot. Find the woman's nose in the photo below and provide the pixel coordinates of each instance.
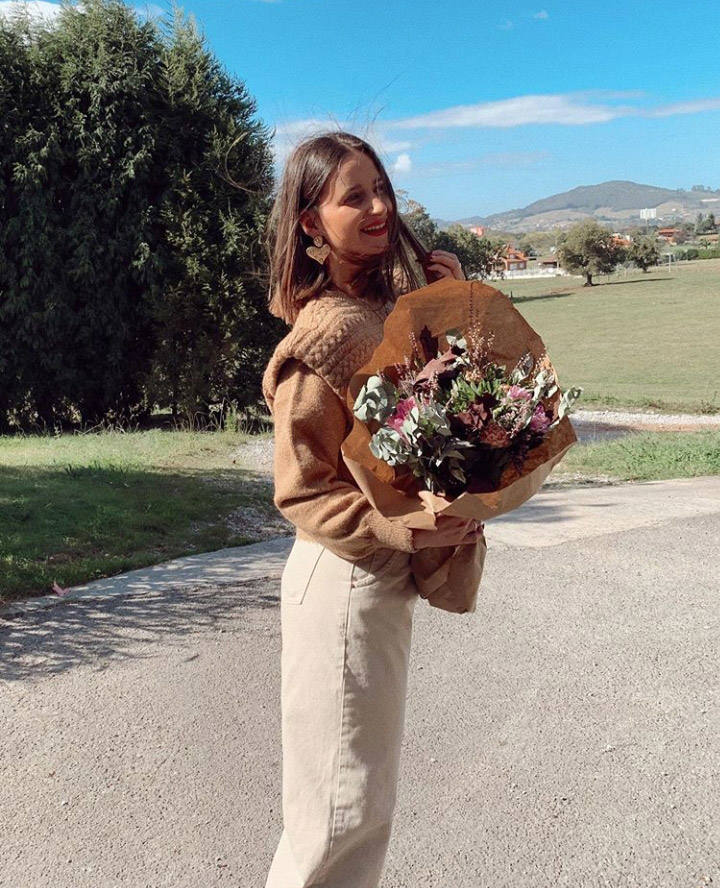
(378, 206)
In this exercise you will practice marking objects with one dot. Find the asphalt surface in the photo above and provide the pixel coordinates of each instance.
(565, 734)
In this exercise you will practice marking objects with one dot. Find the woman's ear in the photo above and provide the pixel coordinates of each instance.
(309, 223)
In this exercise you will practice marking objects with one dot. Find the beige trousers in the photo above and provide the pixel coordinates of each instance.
(346, 629)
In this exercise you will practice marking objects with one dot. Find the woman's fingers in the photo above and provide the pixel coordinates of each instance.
(447, 264)
(442, 270)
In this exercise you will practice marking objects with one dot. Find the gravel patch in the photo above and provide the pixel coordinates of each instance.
(589, 425)
(621, 417)
(256, 454)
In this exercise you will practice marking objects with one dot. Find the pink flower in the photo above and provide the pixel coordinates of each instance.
(517, 392)
(397, 418)
(540, 420)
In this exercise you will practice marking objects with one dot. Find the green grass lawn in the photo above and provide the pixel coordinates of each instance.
(641, 341)
(74, 508)
(79, 507)
(645, 456)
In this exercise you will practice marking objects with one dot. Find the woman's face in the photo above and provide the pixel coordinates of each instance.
(354, 209)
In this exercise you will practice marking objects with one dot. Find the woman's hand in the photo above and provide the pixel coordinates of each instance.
(445, 265)
(449, 531)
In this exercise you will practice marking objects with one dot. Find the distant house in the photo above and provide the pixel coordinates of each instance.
(514, 260)
(668, 234)
(479, 230)
(621, 240)
(708, 238)
(548, 262)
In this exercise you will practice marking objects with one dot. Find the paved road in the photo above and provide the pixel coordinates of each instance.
(565, 734)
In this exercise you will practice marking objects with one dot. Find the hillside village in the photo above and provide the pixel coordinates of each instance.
(674, 244)
(531, 250)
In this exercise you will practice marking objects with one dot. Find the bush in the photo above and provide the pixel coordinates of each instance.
(131, 269)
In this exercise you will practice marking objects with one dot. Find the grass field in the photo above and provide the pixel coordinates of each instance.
(641, 341)
(80, 507)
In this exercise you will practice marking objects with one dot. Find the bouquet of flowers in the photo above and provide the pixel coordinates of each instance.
(469, 423)
(455, 418)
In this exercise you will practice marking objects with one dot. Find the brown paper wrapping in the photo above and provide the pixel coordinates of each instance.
(449, 576)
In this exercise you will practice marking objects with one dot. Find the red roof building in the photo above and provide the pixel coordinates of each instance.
(514, 260)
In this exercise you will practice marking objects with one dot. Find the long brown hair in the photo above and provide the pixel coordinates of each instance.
(294, 276)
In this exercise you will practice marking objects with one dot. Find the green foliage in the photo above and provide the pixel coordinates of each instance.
(479, 257)
(375, 400)
(131, 269)
(644, 252)
(418, 218)
(705, 225)
(588, 248)
(690, 253)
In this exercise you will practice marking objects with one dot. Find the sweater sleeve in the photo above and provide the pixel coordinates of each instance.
(310, 426)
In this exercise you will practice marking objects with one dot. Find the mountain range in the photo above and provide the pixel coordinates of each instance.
(616, 203)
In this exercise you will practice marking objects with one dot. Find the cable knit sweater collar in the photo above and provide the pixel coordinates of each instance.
(334, 334)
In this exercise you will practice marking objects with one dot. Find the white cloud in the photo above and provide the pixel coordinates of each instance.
(569, 109)
(691, 107)
(292, 132)
(391, 147)
(38, 10)
(578, 108)
(491, 159)
(43, 12)
(505, 25)
(518, 111)
(543, 14)
(150, 10)
(403, 164)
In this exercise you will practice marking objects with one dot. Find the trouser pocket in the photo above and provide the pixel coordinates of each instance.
(298, 570)
(381, 562)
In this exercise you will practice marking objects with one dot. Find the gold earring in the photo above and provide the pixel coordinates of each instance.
(320, 251)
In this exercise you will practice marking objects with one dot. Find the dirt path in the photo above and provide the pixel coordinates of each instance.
(589, 425)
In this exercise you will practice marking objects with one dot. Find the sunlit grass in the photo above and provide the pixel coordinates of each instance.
(79, 507)
(637, 341)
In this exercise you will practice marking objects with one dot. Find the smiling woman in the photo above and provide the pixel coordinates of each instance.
(352, 215)
(336, 195)
(338, 252)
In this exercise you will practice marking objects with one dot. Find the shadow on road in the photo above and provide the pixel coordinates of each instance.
(99, 632)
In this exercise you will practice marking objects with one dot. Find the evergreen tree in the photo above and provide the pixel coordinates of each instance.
(134, 188)
(18, 100)
(211, 303)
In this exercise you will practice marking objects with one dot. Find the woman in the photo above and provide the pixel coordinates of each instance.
(338, 251)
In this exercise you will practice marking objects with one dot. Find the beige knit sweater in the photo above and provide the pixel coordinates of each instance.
(305, 385)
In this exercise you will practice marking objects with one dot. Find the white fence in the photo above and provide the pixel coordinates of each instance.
(532, 273)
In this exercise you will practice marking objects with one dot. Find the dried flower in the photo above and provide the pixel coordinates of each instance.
(495, 435)
(540, 420)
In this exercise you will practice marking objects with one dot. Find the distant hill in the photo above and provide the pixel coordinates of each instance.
(613, 203)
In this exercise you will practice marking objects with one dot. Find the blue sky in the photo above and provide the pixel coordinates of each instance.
(478, 107)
